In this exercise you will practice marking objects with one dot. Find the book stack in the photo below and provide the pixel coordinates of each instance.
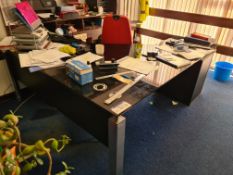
(31, 35)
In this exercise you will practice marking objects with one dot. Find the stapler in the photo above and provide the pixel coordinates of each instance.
(105, 66)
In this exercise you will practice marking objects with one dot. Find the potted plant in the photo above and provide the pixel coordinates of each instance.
(17, 157)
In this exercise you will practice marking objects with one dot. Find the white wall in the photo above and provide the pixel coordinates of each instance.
(5, 81)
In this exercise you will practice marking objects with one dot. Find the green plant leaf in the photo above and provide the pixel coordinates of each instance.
(27, 167)
(4, 138)
(34, 163)
(29, 149)
(11, 117)
(39, 145)
(65, 165)
(65, 140)
(2, 124)
(66, 169)
(17, 170)
(54, 145)
(39, 161)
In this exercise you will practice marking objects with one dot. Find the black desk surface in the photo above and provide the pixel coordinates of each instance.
(132, 96)
(86, 106)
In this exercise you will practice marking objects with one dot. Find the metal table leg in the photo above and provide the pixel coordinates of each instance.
(116, 128)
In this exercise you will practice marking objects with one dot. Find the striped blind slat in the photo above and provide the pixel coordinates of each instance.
(221, 8)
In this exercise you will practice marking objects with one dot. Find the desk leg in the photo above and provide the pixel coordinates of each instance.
(116, 134)
(9, 58)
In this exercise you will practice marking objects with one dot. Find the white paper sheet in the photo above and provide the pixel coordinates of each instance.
(37, 68)
(24, 60)
(120, 107)
(41, 59)
(192, 55)
(44, 15)
(137, 65)
(174, 60)
(47, 56)
(91, 57)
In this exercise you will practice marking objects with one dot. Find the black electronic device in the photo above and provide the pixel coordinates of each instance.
(64, 39)
(151, 56)
(102, 67)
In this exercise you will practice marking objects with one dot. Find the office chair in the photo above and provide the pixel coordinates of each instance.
(116, 36)
(116, 30)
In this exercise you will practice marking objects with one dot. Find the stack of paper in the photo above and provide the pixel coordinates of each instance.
(137, 65)
(42, 59)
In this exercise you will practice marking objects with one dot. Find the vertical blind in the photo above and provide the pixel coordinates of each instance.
(221, 8)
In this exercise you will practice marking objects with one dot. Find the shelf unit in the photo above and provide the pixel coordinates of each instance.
(90, 24)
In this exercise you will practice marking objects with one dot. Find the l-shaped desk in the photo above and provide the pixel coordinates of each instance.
(86, 107)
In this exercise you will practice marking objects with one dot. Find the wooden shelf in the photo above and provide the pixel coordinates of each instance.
(75, 18)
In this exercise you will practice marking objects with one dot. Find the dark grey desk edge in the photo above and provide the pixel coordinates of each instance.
(108, 129)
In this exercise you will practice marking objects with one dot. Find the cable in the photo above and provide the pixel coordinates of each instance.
(22, 103)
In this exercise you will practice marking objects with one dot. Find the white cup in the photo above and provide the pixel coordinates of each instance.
(99, 49)
(59, 31)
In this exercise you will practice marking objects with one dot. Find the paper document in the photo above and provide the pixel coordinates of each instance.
(91, 57)
(37, 68)
(24, 60)
(42, 59)
(55, 45)
(120, 107)
(81, 36)
(137, 65)
(172, 60)
(47, 56)
(194, 54)
(44, 15)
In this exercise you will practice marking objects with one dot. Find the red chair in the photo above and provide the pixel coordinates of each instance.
(116, 37)
(116, 30)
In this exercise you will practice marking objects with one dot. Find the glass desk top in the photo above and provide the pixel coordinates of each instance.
(135, 94)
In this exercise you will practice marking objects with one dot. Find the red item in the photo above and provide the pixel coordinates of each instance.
(27, 12)
(73, 2)
(200, 36)
(116, 30)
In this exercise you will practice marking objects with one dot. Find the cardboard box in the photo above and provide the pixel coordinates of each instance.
(79, 72)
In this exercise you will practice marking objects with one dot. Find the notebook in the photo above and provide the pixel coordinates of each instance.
(28, 13)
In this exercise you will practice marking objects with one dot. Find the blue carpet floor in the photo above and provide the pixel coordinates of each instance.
(161, 139)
